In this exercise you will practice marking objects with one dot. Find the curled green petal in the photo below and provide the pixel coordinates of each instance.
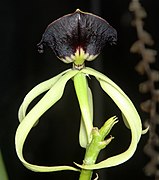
(49, 99)
(145, 130)
(127, 125)
(36, 91)
(131, 117)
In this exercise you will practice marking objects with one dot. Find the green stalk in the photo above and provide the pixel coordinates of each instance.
(82, 92)
(92, 151)
(94, 136)
(91, 155)
(81, 88)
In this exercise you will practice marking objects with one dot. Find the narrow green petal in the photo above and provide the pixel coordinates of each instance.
(131, 116)
(83, 95)
(83, 134)
(36, 91)
(114, 96)
(49, 99)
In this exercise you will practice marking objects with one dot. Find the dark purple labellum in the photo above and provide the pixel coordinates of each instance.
(80, 32)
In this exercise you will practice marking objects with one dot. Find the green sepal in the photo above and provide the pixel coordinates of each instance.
(35, 92)
(132, 119)
(48, 100)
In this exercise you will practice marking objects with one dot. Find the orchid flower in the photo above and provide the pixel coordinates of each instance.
(75, 38)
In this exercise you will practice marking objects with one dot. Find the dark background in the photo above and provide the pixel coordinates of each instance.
(55, 140)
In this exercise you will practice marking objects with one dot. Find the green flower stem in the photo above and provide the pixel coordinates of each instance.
(94, 136)
(91, 155)
(81, 88)
(97, 144)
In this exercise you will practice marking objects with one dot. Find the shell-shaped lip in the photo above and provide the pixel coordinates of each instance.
(77, 32)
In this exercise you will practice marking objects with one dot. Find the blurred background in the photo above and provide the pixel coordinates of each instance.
(54, 141)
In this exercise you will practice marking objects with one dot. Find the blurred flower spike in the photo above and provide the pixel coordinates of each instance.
(77, 37)
(74, 38)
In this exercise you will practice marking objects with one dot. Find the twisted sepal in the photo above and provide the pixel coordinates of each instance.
(56, 88)
(131, 119)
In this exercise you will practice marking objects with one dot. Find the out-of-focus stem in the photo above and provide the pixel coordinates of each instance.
(3, 173)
